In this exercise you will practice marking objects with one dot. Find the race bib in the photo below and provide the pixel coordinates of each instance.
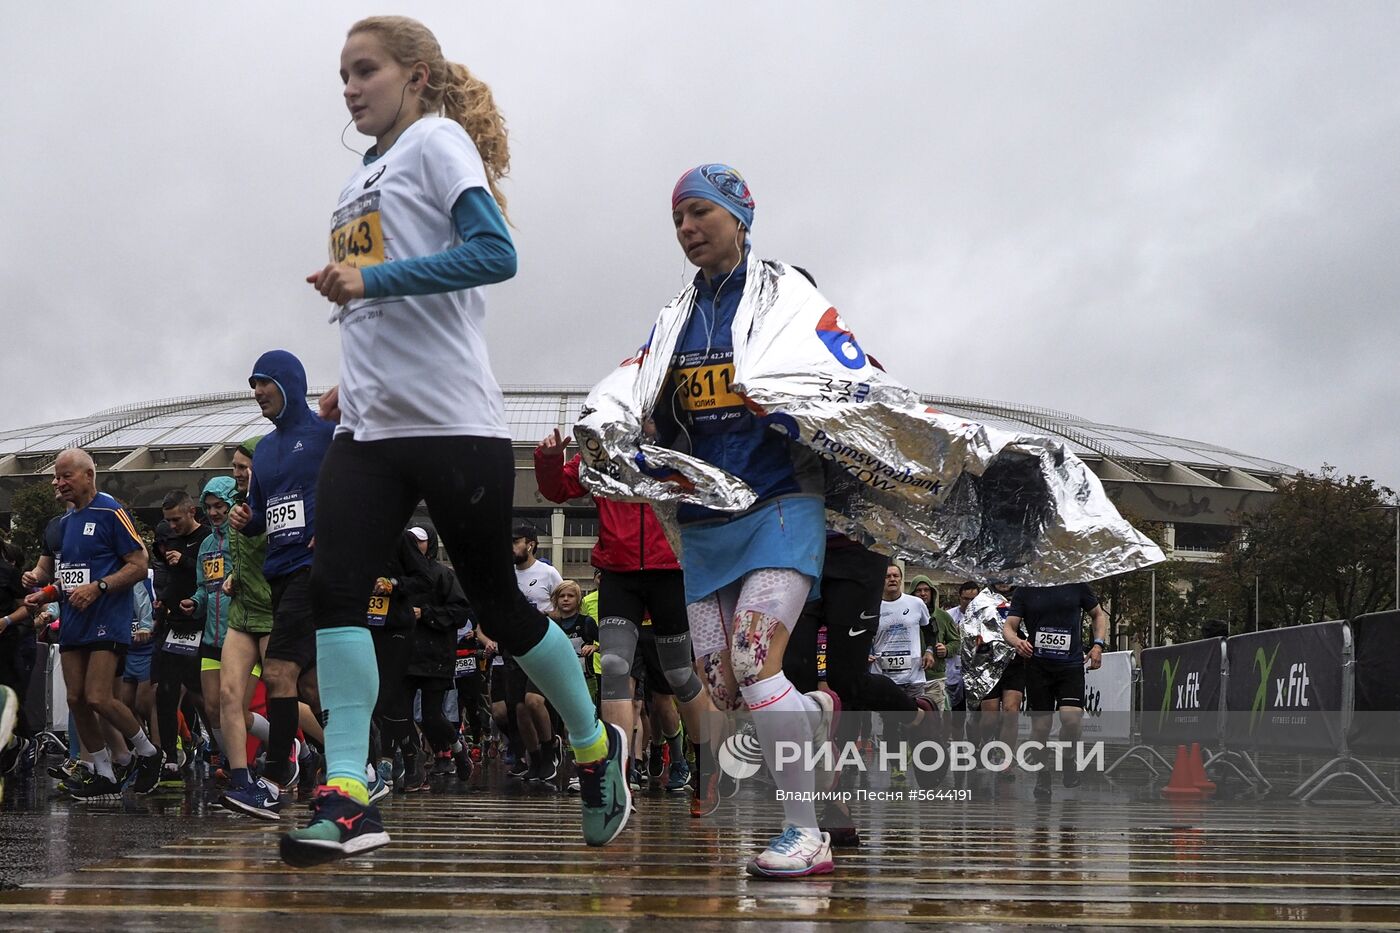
(894, 662)
(378, 610)
(1052, 642)
(357, 236)
(466, 666)
(706, 387)
(187, 643)
(213, 568)
(286, 513)
(71, 576)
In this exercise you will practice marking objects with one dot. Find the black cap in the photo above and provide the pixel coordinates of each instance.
(526, 531)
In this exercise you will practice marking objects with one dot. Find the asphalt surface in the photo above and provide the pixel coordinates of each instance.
(43, 834)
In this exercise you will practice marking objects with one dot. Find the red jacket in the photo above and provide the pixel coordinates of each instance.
(629, 536)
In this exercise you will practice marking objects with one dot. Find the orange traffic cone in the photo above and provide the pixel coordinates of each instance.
(1181, 786)
(1198, 772)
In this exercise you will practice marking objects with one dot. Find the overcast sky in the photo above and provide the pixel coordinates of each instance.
(1177, 217)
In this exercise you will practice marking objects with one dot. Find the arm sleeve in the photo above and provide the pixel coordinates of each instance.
(484, 256)
(558, 483)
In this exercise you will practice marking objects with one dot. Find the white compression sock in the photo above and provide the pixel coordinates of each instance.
(782, 714)
(259, 727)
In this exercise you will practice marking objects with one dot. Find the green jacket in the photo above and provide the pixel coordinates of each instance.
(252, 594)
(943, 624)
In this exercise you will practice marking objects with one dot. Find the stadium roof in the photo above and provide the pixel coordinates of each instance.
(532, 412)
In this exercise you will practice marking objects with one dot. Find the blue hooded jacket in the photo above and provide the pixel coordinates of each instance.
(282, 492)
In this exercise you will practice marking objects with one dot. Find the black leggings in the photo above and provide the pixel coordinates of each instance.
(476, 711)
(393, 649)
(175, 671)
(367, 492)
(853, 582)
(436, 728)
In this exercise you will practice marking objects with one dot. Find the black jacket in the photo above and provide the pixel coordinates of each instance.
(444, 610)
(178, 580)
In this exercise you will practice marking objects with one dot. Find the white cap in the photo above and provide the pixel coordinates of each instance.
(418, 533)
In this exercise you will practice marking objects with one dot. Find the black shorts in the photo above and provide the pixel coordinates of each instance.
(646, 666)
(517, 683)
(293, 635)
(1051, 686)
(1013, 679)
(115, 647)
(636, 594)
(208, 652)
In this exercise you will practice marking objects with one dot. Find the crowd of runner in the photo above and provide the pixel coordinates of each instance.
(294, 629)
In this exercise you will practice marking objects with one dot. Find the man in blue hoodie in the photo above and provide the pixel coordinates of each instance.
(282, 504)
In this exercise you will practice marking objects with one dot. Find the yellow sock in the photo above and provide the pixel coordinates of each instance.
(357, 790)
(595, 750)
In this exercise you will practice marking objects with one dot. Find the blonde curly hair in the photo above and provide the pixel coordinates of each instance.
(452, 90)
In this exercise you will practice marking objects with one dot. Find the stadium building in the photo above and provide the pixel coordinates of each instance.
(144, 451)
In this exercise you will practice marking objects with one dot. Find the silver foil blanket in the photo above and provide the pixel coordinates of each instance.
(911, 480)
(985, 653)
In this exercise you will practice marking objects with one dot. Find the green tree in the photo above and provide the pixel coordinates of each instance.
(1325, 549)
(31, 508)
(1128, 598)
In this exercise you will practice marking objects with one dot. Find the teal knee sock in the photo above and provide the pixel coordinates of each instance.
(348, 674)
(554, 668)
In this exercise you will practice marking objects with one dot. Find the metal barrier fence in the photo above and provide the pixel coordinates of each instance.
(1294, 689)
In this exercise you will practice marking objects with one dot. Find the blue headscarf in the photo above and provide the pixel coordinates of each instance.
(721, 184)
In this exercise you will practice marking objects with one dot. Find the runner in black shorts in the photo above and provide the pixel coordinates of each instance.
(640, 578)
(282, 503)
(1054, 658)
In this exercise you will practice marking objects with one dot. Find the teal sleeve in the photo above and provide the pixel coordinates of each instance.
(484, 256)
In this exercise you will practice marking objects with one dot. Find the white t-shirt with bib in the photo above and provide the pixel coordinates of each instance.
(415, 365)
(537, 583)
(897, 649)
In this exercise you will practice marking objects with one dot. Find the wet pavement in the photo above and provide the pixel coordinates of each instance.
(497, 856)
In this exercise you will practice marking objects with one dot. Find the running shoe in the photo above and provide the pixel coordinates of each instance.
(260, 798)
(465, 765)
(293, 765)
(550, 756)
(443, 765)
(339, 828)
(309, 764)
(797, 853)
(656, 762)
(415, 770)
(635, 780)
(376, 786)
(574, 786)
(144, 776)
(706, 797)
(519, 771)
(19, 756)
(607, 801)
(679, 778)
(1042, 784)
(64, 771)
(92, 786)
(838, 825)
(171, 776)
